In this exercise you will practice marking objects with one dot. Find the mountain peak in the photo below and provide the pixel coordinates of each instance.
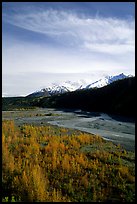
(66, 86)
(106, 80)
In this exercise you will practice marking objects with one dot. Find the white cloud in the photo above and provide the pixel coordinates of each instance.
(110, 48)
(93, 48)
(27, 57)
(70, 29)
(33, 58)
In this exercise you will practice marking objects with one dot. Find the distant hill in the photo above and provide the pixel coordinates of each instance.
(68, 86)
(106, 81)
(42, 92)
(12, 103)
(116, 98)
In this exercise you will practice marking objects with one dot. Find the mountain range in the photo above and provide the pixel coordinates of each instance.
(116, 98)
(69, 86)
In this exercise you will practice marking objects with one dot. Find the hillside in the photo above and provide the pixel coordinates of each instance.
(115, 98)
(69, 86)
(11, 103)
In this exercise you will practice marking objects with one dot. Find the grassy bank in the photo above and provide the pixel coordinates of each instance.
(44, 163)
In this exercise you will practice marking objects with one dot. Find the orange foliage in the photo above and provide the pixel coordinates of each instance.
(42, 166)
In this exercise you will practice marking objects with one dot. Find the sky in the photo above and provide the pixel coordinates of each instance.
(52, 42)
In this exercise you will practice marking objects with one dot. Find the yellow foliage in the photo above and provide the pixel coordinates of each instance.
(84, 180)
(44, 167)
(40, 183)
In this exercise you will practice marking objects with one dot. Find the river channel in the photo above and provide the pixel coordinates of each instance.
(119, 130)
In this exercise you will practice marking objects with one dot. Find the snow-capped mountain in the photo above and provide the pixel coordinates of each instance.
(59, 88)
(56, 89)
(39, 93)
(106, 80)
(67, 86)
(64, 87)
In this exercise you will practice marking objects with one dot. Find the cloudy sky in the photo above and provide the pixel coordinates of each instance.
(45, 42)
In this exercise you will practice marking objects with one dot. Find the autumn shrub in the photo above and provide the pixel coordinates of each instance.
(46, 163)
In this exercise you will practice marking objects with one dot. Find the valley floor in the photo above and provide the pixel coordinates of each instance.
(118, 130)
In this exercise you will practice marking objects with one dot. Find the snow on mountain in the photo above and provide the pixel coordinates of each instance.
(105, 81)
(59, 88)
(39, 93)
(65, 86)
(56, 89)
(72, 86)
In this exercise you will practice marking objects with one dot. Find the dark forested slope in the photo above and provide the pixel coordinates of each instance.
(116, 98)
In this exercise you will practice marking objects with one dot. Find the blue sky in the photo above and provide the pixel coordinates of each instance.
(51, 42)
